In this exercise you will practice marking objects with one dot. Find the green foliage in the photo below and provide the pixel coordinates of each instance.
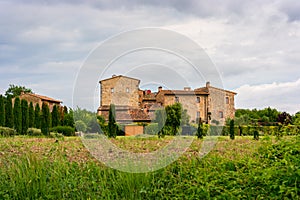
(65, 130)
(6, 132)
(173, 120)
(81, 126)
(55, 116)
(45, 119)
(231, 129)
(37, 116)
(17, 115)
(14, 90)
(68, 117)
(88, 118)
(152, 129)
(256, 135)
(31, 116)
(25, 117)
(265, 116)
(103, 125)
(2, 111)
(160, 118)
(200, 132)
(34, 132)
(260, 170)
(185, 118)
(9, 120)
(112, 126)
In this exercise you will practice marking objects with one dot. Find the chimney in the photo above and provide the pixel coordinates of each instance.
(113, 75)
(187, 88)
(207, 84)
(159, 88)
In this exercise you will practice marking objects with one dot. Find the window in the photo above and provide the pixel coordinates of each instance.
(227, 100)
(198, 114)
(112, 90)
(176, 99)
(198, 100)
(221, 114)
(127, 90)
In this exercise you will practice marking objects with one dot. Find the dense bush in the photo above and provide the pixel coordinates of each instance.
(34, 132)
(151, 129)
(65, 130)
(5, 131)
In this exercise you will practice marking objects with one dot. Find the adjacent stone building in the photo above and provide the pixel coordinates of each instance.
(212, 105)
(40, 99)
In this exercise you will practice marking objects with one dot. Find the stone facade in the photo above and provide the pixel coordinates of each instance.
(39, 99)
(212, 105)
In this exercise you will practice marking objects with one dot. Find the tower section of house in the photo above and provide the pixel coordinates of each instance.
(220, 104)
(123, 92)
(194, 101)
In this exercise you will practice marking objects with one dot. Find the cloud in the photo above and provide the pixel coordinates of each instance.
(283, 96)
(43, 43)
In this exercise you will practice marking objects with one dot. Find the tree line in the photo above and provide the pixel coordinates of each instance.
(20, 115)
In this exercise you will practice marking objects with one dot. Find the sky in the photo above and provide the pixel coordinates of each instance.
(254, 45)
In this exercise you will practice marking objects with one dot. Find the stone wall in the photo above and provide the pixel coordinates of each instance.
(120, 90)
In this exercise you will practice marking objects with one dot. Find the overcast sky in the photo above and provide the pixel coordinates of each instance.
(255, 45)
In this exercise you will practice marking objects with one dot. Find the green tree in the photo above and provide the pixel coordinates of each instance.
(296, 119)
(45, 119)
(255, 135)
(69, 118)
(55, 116)
(81, 126)
(37, 116)
(112, 126)
(200, 129)
(173, 117)
(185, 118)
(9, 120)
(2, 111)
(14, 90)
(102, 123)
(160, 118)
(231, 129)
(17, 113)
(25, 118)
(31, 116)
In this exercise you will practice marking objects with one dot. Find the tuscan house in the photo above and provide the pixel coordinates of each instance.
(211, 104)
(39, 99)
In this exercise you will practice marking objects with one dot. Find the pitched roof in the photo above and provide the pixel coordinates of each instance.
(45, 98)
(207, 89)
(184, 92)
(119, 76)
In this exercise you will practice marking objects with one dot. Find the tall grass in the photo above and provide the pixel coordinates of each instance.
(234, 170)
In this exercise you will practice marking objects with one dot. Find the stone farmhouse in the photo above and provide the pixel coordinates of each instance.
(39, 99)
(211, 104)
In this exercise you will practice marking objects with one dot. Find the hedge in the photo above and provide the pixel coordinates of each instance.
(65, 130)
(5, 131)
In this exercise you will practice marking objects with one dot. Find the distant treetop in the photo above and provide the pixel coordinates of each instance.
(15, 90)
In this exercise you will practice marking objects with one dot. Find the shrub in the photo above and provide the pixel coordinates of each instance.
(151, 129)
(34, 132)
(231, 129)
(5, 131)
(65, 130)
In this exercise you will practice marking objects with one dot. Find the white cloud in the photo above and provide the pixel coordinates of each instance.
(283, 96)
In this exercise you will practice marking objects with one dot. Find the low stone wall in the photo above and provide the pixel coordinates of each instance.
(133, 130)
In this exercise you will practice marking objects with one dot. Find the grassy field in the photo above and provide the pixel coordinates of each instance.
(45, 168)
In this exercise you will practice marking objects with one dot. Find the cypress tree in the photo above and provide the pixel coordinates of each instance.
(200, 129)
(37, 116)
(17, 115)
(9, 120)
(25, 117)
(55, 116)
(112, 126)
(231, 129)
(31, 116)
(45, 119)
(2, 111)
